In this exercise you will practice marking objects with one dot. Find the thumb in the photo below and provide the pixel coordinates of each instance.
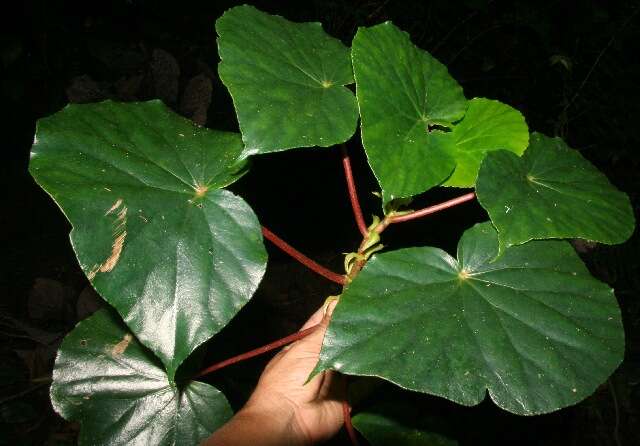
(322, 317)
(323, 314)
(328, 307)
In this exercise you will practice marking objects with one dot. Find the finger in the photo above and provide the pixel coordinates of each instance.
(330, 306)
(319, 315)
(334, 386)
(315, 319)
(312, 343)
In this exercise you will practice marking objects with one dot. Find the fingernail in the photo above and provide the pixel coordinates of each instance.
(330, 304)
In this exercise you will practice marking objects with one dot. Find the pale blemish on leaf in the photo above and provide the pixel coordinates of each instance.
(121, 346)
(116, 250)
(120, 235)
(115, 206)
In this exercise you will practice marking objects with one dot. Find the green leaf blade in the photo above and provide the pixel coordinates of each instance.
(401, 90)
(105, 379)
(487, 125)
(533, 327)
(389, 424)
(153, 231)
(551, 192)
(287, 81)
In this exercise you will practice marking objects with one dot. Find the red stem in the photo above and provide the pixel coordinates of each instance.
(353, 194)
(346, 413)
(433, 209)
(306, 261)
(258, 351)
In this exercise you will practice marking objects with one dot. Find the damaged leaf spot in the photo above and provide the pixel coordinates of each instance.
(116, 250)
(121, 346)
(120, 235)
(115, 206)
(434, 127)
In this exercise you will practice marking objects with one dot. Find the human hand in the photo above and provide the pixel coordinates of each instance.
(283, 410)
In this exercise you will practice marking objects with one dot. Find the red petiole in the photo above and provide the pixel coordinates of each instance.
(306, 261)
(433, 209)
(346, 414)
(353, 194)
(259, 351)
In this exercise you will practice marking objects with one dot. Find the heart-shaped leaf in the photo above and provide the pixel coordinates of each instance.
(487, 125)
(105, 379)
(397, 424)
(406, 98)
(176, 255)
(286, 80)
(551, 192)
(533, 327)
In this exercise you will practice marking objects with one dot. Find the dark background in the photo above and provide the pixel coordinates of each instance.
(571, 67)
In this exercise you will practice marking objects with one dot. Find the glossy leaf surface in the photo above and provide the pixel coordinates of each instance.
(395, 424)
(286, 80)
(105, 379)
(176, 255)
(402, 91)
(487, 125)
(551, 192)
(534, 328)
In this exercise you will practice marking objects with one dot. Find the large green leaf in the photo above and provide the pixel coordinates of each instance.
(402, 93)
(398, 424)
(176, 255)
(533, 327)
(286, 80)
(487, 125)
(105, 379)
(551, 192)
